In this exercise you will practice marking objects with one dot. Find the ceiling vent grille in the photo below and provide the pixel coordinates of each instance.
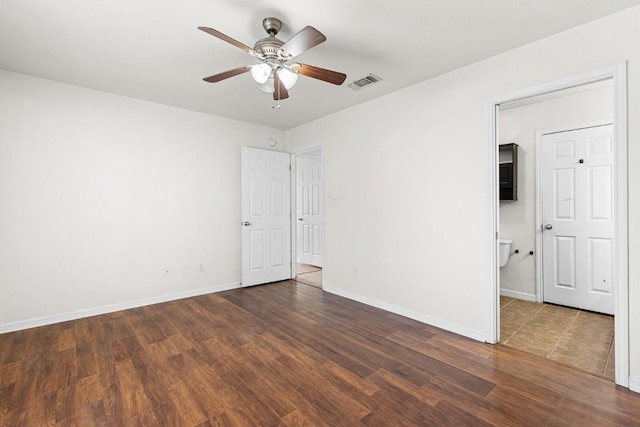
(364, 81)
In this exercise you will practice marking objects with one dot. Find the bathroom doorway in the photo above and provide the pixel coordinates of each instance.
(578, 329)
(574, 336)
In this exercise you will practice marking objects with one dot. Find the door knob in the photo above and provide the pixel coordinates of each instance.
(548, 227)
(299, 219)
(246, 223)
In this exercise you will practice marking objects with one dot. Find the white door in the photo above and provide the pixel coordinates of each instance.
(266, 216)
(309, 210)
(577, 212)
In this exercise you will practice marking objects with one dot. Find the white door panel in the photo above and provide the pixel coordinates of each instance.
(600, 274)
(266, 241)
(577, 198)
(564, 194)
(600, 184)
(565, 262)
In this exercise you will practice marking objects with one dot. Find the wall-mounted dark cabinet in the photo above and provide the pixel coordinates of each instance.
(508, 168)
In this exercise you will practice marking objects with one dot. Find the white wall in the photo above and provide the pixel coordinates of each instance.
(519, 125)
(99, 193)
(413, 170)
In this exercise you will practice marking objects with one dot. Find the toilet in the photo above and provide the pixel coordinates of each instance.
(505, 250)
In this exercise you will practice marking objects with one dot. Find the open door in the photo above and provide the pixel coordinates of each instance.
(309, 211)
(266, 216)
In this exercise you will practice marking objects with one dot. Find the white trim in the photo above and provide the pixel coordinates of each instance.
(310, 147)
(538, 223)
(294, 203)
(292, 213)
(621, 260)
(519, 295)
(494, 270)
(539, 134)
(634, 384)
(618, 72)
(79, 314)
(420, 317)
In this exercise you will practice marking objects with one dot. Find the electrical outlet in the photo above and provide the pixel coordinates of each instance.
(355, 271)
(201, 268)
(167, 271)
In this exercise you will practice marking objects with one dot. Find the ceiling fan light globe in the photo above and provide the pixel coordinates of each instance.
(287, 77)
(261, 73)
(268, 86)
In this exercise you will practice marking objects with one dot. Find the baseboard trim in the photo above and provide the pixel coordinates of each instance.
(634, 384)
(518, 295)
(79, 314)
(420, 317)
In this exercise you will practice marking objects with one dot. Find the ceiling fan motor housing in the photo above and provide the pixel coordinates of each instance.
(268, 46)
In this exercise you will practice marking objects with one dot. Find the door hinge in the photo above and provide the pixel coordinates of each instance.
(289, 166)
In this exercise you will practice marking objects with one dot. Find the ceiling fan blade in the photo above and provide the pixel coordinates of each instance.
(320, 73)
(228, 39)
(279, 91)
(226, 74)
(307, 38)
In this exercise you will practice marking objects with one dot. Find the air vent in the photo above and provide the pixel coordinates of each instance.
(365, 81)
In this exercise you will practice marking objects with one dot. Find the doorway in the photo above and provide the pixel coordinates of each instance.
(528, 253)
(308, 224)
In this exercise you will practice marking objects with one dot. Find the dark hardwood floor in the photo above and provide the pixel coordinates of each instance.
(286, 354)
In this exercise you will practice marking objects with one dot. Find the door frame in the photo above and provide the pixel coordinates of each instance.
(618, 73)
(539, 134)
(294, 204)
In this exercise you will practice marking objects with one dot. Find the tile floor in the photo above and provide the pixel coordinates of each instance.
(309, 275)
(578, 338)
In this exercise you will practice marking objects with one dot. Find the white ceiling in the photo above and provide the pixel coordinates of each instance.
(152, 50)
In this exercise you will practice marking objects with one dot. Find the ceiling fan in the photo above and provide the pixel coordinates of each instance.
(274, 74)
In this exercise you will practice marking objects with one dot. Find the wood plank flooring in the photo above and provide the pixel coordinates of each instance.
(286, 354)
